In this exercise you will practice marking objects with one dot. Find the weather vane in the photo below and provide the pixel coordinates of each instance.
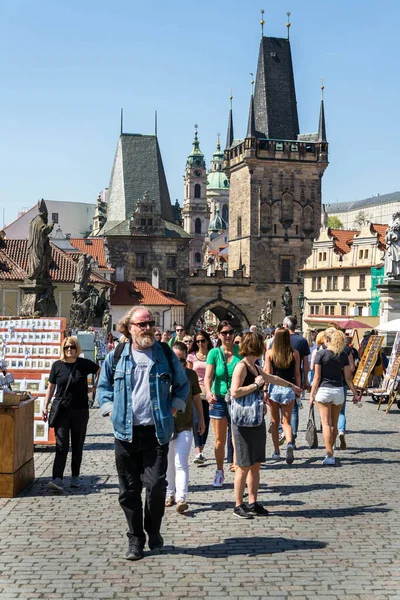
(288, 24)
(262, 22)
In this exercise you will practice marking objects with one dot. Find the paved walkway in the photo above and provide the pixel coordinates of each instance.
(333, 532)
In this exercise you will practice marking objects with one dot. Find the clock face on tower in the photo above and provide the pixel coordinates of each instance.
(197, 172)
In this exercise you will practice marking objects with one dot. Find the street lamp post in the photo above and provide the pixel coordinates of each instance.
(301, 300)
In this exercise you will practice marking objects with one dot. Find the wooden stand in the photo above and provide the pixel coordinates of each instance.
(16, 448)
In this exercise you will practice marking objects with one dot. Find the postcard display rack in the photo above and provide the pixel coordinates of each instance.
(30, 347)
(392, 378)
(367, 362)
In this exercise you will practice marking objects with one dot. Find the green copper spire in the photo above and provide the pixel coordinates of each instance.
(196, 157)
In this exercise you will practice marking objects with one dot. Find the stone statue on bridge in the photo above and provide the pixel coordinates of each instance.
(392, 256)
(287, 302)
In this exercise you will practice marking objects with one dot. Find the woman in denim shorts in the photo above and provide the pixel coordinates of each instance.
(327, 388)
(284, 361)
(220, 364)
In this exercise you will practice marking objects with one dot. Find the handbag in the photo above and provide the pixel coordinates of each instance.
(248, 411)
(311, 430)
(58, 400)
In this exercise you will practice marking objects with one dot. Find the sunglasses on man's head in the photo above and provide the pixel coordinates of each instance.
(144, 324)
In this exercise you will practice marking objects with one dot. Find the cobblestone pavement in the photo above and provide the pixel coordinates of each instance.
(333, 532)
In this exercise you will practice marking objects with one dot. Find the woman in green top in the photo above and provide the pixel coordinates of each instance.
(220, 364)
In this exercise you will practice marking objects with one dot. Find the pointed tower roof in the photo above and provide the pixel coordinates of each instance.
(275, 105)
(229, 135)
(216, 178)
(196, 157)
(137, 167)
(251, 125)
(321, 126)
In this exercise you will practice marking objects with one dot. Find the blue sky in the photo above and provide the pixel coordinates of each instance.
(69, 66)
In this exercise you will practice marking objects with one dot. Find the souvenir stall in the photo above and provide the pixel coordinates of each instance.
(367, 362)
(392, 378)
(29, 348)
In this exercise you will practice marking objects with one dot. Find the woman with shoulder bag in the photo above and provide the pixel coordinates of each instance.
(247, 392)
(68, 377)
(217, 381)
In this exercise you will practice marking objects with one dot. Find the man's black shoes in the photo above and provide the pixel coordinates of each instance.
(155, 541)
(134, 551)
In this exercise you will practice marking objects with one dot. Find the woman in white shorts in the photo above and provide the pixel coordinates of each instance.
(330, 364)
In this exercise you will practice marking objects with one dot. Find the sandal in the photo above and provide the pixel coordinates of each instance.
(169, 501)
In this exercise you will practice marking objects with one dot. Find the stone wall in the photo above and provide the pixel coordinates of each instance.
(123, 251)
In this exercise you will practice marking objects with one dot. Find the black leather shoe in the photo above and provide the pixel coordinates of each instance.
(134, 552)
(155, 541)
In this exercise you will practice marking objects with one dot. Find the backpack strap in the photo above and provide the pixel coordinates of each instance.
(120, 348)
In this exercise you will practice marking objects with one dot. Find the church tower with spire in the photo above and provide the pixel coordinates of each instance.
(195, 212)
(275, 178)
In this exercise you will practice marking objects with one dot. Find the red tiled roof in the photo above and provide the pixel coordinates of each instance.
(343, 239)
(381, 231)
(134, 293)
(95, 248)
(63, 268)
(9, 270)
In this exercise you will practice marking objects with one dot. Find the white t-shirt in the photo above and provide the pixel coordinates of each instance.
(141, 403)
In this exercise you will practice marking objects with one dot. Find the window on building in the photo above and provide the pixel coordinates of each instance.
(335, 285)
(197, 226)
(143, 222)
(314, 284)
(358, 309)
(225, 213)
(314, 309)
(140, 260)
(319, 284)
(150, 222)
(343, 310)
(239, 226)
(119, 273)
(275, 228)
(197, 190)
(286, 269)
(329, 283)
(361, 285)
(156, 317)
(171, 285)
(366, 253)
(329, 309)
(361, 254)
(54, 217)
(346, 282)
(171, 261)
(322, 256)
(297, 230)
(197, 258)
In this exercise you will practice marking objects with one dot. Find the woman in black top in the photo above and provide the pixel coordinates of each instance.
(74, 412)
(284, 361)
(331, 363)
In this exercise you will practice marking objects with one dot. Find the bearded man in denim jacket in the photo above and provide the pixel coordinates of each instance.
(142, 394)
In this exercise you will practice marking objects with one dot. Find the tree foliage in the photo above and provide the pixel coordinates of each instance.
(335, 222)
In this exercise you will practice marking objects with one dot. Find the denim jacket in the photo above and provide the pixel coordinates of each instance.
(166, 390)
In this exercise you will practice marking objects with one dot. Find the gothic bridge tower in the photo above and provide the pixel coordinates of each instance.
(275, 180)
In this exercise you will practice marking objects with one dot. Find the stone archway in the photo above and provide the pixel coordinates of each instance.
(223, 309)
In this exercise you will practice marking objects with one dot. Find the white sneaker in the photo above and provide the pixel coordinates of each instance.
(329, 460)
(56, 484)
(199, 459)
(219, 479)
(276, 456)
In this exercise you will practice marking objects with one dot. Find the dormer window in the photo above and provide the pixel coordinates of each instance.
(361, 254)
